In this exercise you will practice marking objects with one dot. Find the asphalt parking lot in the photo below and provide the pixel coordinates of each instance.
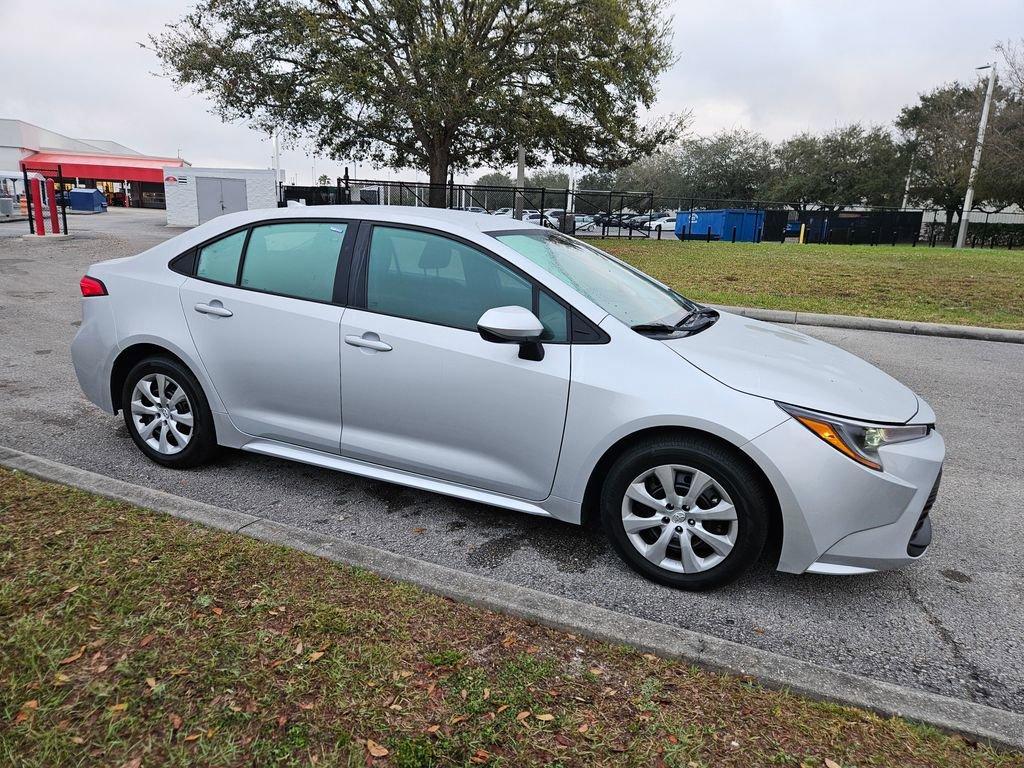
(952, 624)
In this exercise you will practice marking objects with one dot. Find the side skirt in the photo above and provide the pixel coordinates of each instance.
(560, 509)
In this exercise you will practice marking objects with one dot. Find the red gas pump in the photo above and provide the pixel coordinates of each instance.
(37, 206)
(51, 196)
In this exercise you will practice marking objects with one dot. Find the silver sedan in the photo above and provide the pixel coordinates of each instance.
(511, 365)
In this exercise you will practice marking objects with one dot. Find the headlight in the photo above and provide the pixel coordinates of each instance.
(858, 440)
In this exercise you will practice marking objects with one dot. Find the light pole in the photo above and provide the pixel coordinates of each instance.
(961, 237)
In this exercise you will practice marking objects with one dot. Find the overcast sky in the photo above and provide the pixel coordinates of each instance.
(774, 66)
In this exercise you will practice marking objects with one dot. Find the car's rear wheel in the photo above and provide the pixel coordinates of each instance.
(167, 414)
(685, 511)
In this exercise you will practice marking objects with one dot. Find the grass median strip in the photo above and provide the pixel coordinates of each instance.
(132, 638)
(935, 285)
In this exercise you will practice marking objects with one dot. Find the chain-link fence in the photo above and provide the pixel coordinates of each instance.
(624, 214)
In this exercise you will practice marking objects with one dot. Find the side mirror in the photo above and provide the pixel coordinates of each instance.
(513, 325)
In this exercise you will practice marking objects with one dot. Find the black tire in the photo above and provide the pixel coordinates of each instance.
(202, 443)
(740, 482)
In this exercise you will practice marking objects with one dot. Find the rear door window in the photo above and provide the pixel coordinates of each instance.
(218, 261)
(295, 259)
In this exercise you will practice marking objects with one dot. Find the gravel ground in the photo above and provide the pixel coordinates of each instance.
(952, 624)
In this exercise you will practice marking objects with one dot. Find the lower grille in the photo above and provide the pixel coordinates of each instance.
(922, 535)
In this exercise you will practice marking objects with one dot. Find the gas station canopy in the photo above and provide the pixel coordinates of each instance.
(110, 167)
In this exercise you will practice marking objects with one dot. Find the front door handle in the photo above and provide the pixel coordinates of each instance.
(369, 340)
(214, 308)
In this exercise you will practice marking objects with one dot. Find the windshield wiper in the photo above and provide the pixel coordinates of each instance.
(654, 328)
(686, 323)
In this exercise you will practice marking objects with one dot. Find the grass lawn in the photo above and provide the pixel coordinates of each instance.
(940, 285)
(131, 638)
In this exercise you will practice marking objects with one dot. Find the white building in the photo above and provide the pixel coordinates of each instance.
(196, 195)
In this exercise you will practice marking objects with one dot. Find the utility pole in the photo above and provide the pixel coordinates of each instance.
(961, 237)
(277, 166)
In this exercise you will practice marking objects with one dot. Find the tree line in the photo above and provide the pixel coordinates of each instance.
(457, 85)
(923, 157)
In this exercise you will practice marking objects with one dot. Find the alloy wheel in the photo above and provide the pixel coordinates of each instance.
(679, 518)
(162, 413)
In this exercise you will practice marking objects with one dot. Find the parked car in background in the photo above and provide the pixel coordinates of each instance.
(511, 365)
(546, 220)
(661, 224)
(503, 212)
(584, 223)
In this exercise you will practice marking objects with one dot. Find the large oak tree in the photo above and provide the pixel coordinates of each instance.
(432, 84)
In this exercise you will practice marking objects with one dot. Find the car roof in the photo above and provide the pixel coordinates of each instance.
(440, 218)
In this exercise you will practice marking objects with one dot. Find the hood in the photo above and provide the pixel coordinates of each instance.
(791, 367)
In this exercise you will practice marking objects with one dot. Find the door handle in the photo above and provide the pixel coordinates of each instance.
(217, 309)
(369, 341)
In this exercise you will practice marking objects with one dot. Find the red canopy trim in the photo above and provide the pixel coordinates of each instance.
(102, 167)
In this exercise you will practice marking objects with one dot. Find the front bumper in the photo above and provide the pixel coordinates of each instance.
(841, 517)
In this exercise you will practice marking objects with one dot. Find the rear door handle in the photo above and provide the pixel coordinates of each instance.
(369, 341)
(214, 308)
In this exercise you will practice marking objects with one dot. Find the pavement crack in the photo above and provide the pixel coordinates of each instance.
(979, 690)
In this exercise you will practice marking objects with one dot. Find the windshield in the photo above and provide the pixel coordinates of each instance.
(625, 293)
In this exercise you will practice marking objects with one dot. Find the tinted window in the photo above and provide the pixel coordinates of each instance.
(554, 317)
(431, 278)
(219, 261)
(294, 259)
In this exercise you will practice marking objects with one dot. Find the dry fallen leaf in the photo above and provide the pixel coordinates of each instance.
(135, 762)
(151, 682)
(31, 704)
(546, 717)
(502, 708)
(523, 715)
(69, 590)
(282, 720)
(315, 655)
(175, 721)
(829, 763)
(299, 648)
(217, 610)
(73, 657)
(146, 640)
(119, 707)
(583, 728)
(21, 717)
(193, 736)
(77, 740)
(375, 749)
(433, 728)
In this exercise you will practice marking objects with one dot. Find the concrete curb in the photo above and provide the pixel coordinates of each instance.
(999, 728)
(878, 324)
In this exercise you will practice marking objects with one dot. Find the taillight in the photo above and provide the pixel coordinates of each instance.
(92, 287)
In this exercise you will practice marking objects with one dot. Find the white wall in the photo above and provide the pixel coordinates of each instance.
(183, 205)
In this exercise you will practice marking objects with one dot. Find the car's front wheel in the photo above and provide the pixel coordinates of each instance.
(167, 414)
(685, 511)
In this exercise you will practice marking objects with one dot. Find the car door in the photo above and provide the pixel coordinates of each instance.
(422, 391)
(264, 313)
